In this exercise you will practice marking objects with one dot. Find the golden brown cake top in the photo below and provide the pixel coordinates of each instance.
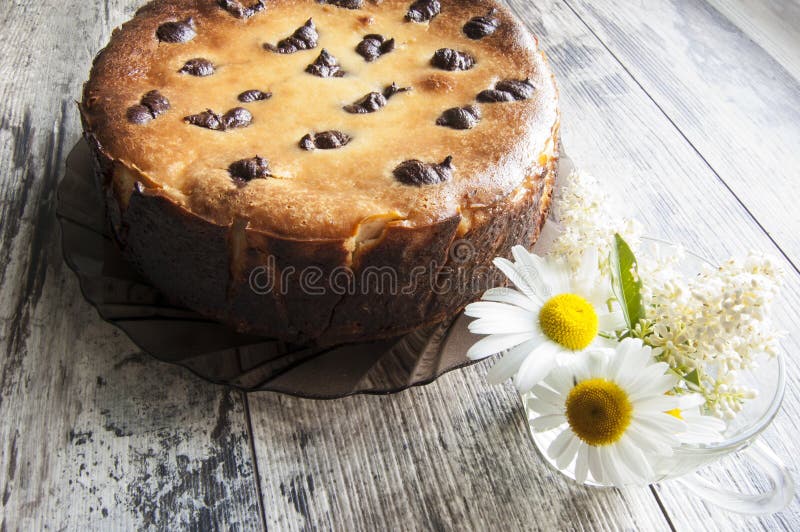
(308, 119)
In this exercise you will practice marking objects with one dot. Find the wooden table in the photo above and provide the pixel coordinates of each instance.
(689, 110)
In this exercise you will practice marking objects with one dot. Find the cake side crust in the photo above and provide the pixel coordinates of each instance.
(239, 275)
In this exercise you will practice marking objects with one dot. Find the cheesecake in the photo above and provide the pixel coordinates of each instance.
(322, 172)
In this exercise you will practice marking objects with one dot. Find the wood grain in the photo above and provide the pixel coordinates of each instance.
(771, 24)
(614, 128)
(94, 435)
(697, 141)
(448, 456)
(624, 137)
(731, 100)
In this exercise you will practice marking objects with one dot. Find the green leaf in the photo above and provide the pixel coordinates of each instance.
(625, 281)
(693, 378)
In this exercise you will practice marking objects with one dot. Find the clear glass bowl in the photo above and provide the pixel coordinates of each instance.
(740, 435)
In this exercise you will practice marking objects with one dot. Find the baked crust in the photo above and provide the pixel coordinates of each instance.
(213, 245)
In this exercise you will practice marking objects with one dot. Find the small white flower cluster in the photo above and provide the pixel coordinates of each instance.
(714, 323)
(597, 353)
(586, 218)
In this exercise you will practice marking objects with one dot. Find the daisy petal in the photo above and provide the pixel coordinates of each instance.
(582, 463)
(616, 368)
(664, 430)
(549, 396)
(560, 380)
(506, 367)
(543, 407)
(595, 465)
(648, 441)
(695, 435)
(587, 269)
(510, 271)
(611, 467)
(547, 422)
(650, 383)
(661, 419)
(555, 275)
(534, 270)
(560, 444)
(491, 309)
(611, 321)
(635, 460)
(589, 282)
(631, 362)
(622, 463)
(701, 429)
(658, 387)
(596, 363)
(656, 403)
(709, 423)
(568, 454)
(496, 343)
(536, 366)
(502, 325)
(692, 400)
(510, 296)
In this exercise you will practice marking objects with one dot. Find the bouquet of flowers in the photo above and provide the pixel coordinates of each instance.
(617, 348)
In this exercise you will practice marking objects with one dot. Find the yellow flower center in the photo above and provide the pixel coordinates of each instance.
(598, 411)
(569, 320)
(675, 412)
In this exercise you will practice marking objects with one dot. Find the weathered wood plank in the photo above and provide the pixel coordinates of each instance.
(728, 96)
(93, 435)
(455, 453)
(772, 24)
(620, 134)
(154, 446)
(448, 456)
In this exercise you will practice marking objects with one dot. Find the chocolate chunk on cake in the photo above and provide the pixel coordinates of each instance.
(241, 140)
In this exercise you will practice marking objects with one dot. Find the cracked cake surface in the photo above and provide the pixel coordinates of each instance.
(319, 193)
(359, 132)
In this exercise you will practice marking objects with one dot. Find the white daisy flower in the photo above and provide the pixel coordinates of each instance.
(612, 412)
(552, 315)
(700, 428)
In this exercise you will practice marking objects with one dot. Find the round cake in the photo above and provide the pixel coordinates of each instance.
(322, 171)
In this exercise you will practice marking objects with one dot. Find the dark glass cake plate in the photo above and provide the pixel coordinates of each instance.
(215, 351)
